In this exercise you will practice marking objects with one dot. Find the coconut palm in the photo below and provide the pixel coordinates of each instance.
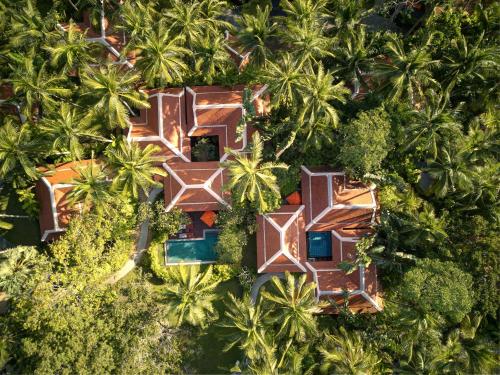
(255, 33)
(469, 61)
(405, 74)
(432, 126)
(347, 13)
(132, 18)
(192, 19)
(17, 266)
(92, 187)
(112, 93)
(284, 81)
(353, 57)
(450, 173)
(294, 305)
(19, 152)
(423, 228)
(318, 113)
(160, 56)
(134, 167)
(190, 295)
(345, 353)
(70, 49)
(212, 58)
(67, 132)
(246, 321)
(37, 88)
(252, 179)
(305, 12)
(308, 43)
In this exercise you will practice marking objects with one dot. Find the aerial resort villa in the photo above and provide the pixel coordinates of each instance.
(315, 230)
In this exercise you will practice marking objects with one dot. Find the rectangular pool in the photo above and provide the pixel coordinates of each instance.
(195, 250)
(319, 245)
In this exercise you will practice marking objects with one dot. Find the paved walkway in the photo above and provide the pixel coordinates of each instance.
(261, 280)
(141, 247)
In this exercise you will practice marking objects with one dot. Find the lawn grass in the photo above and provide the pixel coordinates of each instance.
(25, 231)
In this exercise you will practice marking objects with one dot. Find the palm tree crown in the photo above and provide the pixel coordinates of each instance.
(251, 178)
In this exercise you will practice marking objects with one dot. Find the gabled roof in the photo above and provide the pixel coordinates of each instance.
(164, 124)
(331, 198)
(195, 186)
(331, 203)
(281, 239)
(52, 191)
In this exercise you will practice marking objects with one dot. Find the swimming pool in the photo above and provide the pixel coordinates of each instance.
(319, 245)
(196, 250)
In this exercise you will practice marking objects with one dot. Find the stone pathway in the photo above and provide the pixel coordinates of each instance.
(261, 280)
(141, 247)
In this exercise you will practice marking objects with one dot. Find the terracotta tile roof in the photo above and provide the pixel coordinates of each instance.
(331, 203)
(52, 193)
(195, 186)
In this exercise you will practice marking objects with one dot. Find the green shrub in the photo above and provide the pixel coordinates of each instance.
(157, 263)
(224, 272)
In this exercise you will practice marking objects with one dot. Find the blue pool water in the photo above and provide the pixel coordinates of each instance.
(319, 245)
(192, 250)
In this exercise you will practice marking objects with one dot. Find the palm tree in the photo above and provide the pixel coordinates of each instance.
(160, 56)
(17, 266)
(308, 43)
(91, 188)
(212, 58)
(18, 152)
(424, 228)
(190, 295)
(67, 131)
(467, 62)
(133, 166)
(37, 88)
(247, 323)
(353, 57)
(132, 18)
(192, 19)
(345, 353)
(450, 173)
(347, 13)
(432, 126)
(294, 307)
(284, 81)
(255, 33)
(251, 178)
(71, 49)
(305, 12)
(318, 114)
(113, 93)
(405, 74)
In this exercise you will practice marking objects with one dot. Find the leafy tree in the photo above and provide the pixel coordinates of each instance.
(436, 286)
(189, 296)
(294, 305)
(246, 322)
(164, 224)
(112, 92)
(345, 353)
(134, 166)
(255, 33)
(67, 131)
(365, 143)
(161, 56)
(251, 179)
